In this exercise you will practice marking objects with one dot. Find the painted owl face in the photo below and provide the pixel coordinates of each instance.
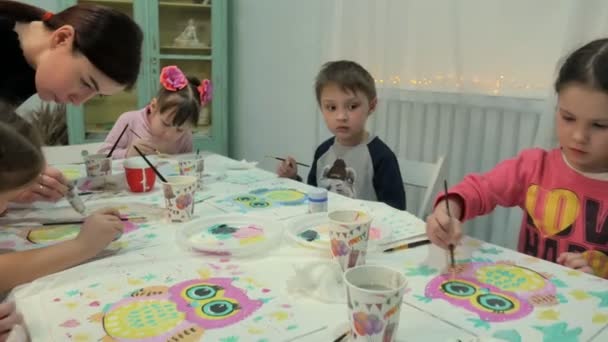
(489, 302)
(495, 291)
(188, 308)
(212, 303)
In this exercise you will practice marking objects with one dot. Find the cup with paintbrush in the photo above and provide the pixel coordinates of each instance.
(101, 164)
(178, 192)
(98, 165)
(348, 235)
(140, 176)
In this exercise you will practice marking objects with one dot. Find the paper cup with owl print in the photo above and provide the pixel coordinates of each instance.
(98, 165)
(348, 234)
(374, 296)
(192, 165)
(179, 197)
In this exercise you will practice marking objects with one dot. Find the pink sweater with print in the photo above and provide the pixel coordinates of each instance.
(564, 211)
(138, 122)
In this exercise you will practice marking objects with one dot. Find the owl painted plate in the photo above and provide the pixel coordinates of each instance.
(312, 230)
(233, 234)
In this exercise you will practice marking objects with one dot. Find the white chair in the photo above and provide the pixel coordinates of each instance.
(68, 154)
(423, 175)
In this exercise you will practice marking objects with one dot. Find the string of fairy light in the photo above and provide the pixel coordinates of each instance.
(495, 86)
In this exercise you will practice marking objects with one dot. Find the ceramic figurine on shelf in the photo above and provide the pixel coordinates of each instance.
(188, 37)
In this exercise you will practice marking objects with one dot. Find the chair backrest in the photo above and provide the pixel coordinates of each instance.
(68, 154)
(423, 175)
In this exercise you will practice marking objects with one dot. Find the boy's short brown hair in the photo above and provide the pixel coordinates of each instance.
(348, 75)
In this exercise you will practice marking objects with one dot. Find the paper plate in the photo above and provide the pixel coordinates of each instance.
(235, 235)
(241, 165)
(312, 230)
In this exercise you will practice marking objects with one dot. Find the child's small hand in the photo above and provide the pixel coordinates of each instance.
(99, 229)
(442, 229)
(9, 317)
(145, 146)
(288, 168)
(576, 261)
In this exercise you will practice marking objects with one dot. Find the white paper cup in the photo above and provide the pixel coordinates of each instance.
(98, 165)
(348, 234)
(374, 297)
(179, 197)
(192, 165)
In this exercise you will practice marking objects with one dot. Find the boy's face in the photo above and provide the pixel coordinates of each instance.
(582, 127)
(345, 113)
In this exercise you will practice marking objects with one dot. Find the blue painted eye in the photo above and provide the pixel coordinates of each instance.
(245, 198)
(201, 292)
(219, 308)
(259, 204)
(457, 288)
(495, 302)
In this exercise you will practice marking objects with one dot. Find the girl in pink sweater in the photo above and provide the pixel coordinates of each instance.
(563, 192)
(165, 125)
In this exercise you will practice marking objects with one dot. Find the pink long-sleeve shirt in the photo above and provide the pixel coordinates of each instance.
(138, 122)
(564, 211)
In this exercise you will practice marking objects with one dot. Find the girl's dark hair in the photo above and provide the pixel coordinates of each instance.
(186, 102)
(348, 75)
(108, 38)
(21, 158)
(587, 65)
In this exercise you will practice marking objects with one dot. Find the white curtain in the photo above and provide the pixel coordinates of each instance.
(470, 79)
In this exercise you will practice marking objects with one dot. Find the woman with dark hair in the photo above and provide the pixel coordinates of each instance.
(66, 57)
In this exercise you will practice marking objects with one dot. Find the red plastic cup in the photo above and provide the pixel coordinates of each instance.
(140, 176)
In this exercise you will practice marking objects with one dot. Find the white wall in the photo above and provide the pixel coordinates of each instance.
(275, 55)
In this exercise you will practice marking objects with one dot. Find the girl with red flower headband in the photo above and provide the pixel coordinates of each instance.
(165, 125)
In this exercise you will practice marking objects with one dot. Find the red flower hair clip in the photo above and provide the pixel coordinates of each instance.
(205, 90)
(47, 16)
(172, 78)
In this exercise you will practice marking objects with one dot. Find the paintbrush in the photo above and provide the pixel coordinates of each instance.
(447, 205)
(407, 246)
(283, 159)
(150, 164)
(341, 337)
(117, 140)
(80, 221)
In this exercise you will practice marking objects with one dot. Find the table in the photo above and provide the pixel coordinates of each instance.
(551, 302)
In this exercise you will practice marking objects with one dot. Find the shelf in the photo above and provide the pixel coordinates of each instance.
(184, 57)
(183, 5)
(185, 48)
(119, 2)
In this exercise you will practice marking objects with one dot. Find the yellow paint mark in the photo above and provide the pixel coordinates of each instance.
(255, 331)
(474, 243)
(71, 305)
(135, 281)
(280, 315)
(549, 315)
(82, 337)
(579, 294)
(574, 273)
(600, 318)
(204, 273)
